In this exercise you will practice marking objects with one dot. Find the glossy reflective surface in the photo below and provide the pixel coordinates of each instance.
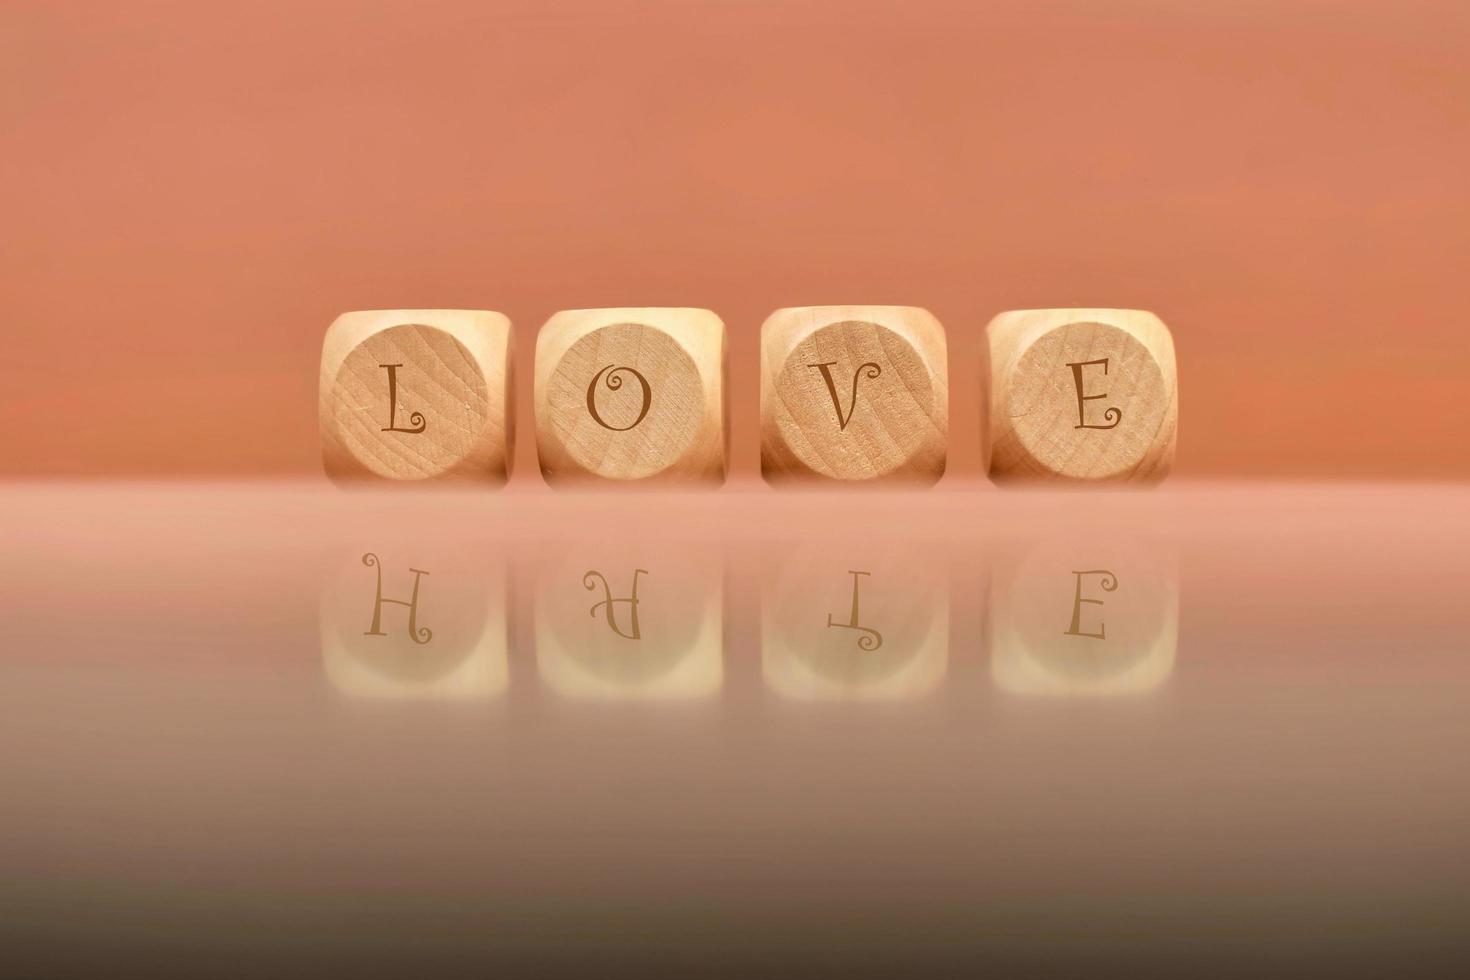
(1212, 729)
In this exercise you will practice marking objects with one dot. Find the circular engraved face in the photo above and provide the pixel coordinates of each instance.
(626, 401)
(854, 622)
(856, 401)
(1087, 617)
(408, 624)
(621, 622)
(1087, 400)
(410, 402)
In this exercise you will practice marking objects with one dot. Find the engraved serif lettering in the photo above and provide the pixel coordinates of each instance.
(614, 382)
(869, 370)
(414, 418)
(1109, 583)
(419, 634)
(608, 603)
(870, 639)
(1113, 415)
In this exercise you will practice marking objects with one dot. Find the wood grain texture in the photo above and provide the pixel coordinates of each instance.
(858, 394)
(632, 396)
(417, 395)
(1081, 395)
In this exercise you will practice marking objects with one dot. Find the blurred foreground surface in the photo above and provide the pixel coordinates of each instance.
(1214, 730)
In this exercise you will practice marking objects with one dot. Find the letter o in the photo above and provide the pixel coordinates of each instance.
(614, 382)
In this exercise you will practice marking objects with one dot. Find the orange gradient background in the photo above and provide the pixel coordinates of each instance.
(189, 193)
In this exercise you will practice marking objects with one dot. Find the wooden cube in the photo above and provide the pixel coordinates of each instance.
(1082, 396)
(857, 394)
(631, 396)
(417, 395)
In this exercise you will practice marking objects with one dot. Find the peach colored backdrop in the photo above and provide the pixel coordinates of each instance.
(190, 192)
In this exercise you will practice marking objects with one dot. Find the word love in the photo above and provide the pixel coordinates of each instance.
(849, 394)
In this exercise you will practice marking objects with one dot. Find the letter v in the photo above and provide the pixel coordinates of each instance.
(825, 367)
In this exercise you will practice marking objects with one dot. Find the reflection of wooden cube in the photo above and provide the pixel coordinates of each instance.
(854, 393)
(631, 395)
(417, 395)
(619, 621)
(854, 624)
(1084, 619)
(1081, 395)
(415, 626)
